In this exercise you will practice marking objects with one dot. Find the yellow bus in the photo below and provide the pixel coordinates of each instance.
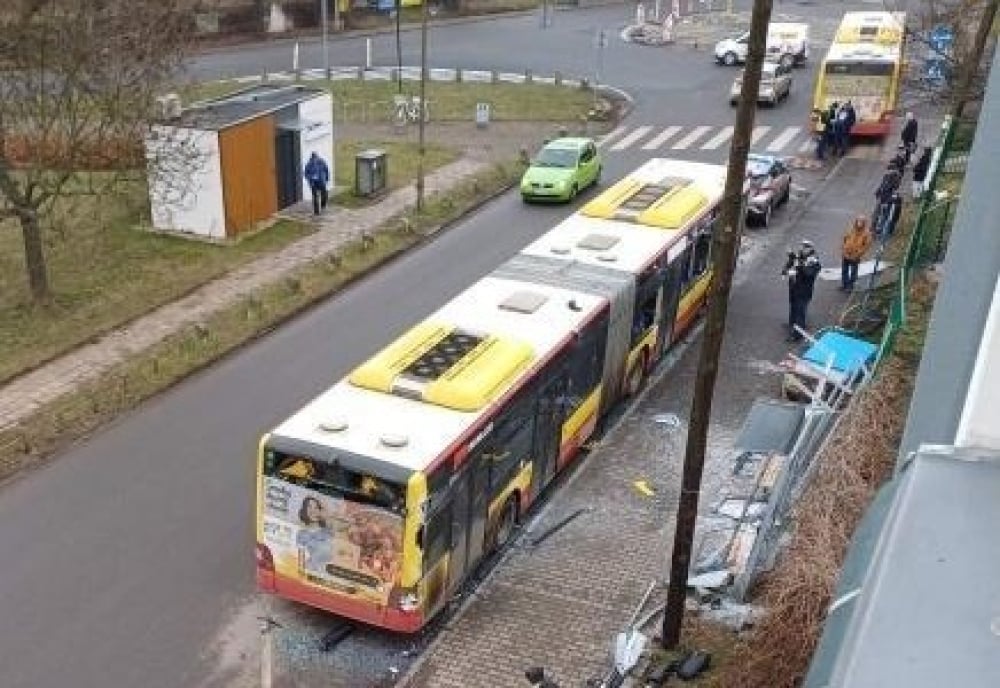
(379, 498)
(864, 65)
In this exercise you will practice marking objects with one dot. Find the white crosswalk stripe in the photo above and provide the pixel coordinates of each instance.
(613, 134)
(718, 139)
(758, 134)
(631, 138)
(783, 139)
(691, 138)
(793, 140)
(661, 138)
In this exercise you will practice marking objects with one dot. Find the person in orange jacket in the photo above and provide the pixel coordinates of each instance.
(857, 241)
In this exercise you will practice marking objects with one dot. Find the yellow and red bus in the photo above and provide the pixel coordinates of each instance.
(379, 498)
(864, 65)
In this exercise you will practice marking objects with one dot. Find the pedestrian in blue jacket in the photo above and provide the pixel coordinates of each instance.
(317, 173)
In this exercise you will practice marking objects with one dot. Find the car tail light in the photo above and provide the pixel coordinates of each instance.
(264, 559)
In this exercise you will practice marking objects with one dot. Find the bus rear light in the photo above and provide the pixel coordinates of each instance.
(409, 603)
(265, 560)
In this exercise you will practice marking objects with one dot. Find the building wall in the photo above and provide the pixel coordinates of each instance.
(185, 181)
(249, 181)
(318, 136)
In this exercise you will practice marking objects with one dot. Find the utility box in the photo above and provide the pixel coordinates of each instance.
(370, 173)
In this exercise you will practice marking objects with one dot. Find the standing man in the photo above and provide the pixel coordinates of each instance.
(317, 173)
(801, 270)
(857, 240)
(891, 215)
(920, 170)
(909, 135)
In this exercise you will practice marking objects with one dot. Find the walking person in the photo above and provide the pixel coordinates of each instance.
(890, 216)
(317, 173)
(819, 126)
(842, 131)
(801, 271)
(920, 170)
(909, 135)
(857, 241)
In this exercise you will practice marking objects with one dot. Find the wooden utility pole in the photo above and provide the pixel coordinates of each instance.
(970, 65)
(423, 105)
(725, 245)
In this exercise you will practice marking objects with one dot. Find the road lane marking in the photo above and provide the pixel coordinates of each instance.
(784, 139)
(758, 134)
(662, 138)
(614, 133)
(631, 138)
(691, 138)
(718, 139)
(806, 145)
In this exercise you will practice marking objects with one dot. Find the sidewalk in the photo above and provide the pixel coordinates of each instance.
(559, 605)
(25, 394)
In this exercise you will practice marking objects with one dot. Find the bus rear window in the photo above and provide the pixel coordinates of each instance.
(334, 480)
(860, 68)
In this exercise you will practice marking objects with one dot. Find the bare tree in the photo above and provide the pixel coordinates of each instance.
(966, 61)
(78, 86)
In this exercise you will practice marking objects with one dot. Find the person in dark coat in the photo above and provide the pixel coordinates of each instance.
(909, 135)
(890, 215)
(317, 173)
(801, 270)
(920, 170)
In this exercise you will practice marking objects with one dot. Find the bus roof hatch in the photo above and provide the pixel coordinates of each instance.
(446, 366)
(665, 204)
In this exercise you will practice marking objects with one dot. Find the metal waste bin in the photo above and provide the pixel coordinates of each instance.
(370, 173)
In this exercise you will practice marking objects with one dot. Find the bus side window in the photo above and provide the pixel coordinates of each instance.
(586, 366)
(509, 445)
(436, 535)
(702, 253)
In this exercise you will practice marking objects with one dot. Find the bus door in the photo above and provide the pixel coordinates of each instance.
(470, 495)
(670, 296)
(550, 412)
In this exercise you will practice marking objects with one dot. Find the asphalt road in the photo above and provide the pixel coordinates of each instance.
(125, 558)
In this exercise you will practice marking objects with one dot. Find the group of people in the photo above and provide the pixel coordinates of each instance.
(803, 266)
(833, 128)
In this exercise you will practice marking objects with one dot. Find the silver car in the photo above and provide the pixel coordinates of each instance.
(775, 84)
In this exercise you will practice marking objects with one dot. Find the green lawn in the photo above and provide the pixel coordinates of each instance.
(357, 101)
(401, 160)
(106, 270)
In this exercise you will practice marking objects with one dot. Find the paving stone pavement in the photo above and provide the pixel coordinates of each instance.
(337, 227)
(560, 604)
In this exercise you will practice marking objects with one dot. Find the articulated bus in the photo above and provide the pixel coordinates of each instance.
(865, 66)
(379, 498)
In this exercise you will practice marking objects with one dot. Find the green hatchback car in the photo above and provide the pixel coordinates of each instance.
(562, 169)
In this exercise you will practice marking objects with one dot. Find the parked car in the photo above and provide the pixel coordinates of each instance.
(775, 84)
(562, 169)
(769, 184)
(788, 43)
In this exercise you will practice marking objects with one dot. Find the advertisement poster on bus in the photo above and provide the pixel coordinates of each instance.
(333, 542)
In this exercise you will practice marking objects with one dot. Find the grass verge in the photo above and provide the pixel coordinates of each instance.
(370, 102)
(105, 271)
(76, 414)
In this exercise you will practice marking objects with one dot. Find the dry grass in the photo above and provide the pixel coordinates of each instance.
(857, 460)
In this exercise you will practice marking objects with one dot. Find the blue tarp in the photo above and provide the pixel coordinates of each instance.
(849, 353)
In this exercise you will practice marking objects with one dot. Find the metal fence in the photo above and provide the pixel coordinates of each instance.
(932, 222)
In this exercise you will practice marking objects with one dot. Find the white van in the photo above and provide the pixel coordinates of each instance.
(788, 41)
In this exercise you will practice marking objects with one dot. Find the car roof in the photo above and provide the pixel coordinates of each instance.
(761, 158)
(569, 142)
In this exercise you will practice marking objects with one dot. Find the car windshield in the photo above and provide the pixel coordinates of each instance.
(758, 169)
(556, 157)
